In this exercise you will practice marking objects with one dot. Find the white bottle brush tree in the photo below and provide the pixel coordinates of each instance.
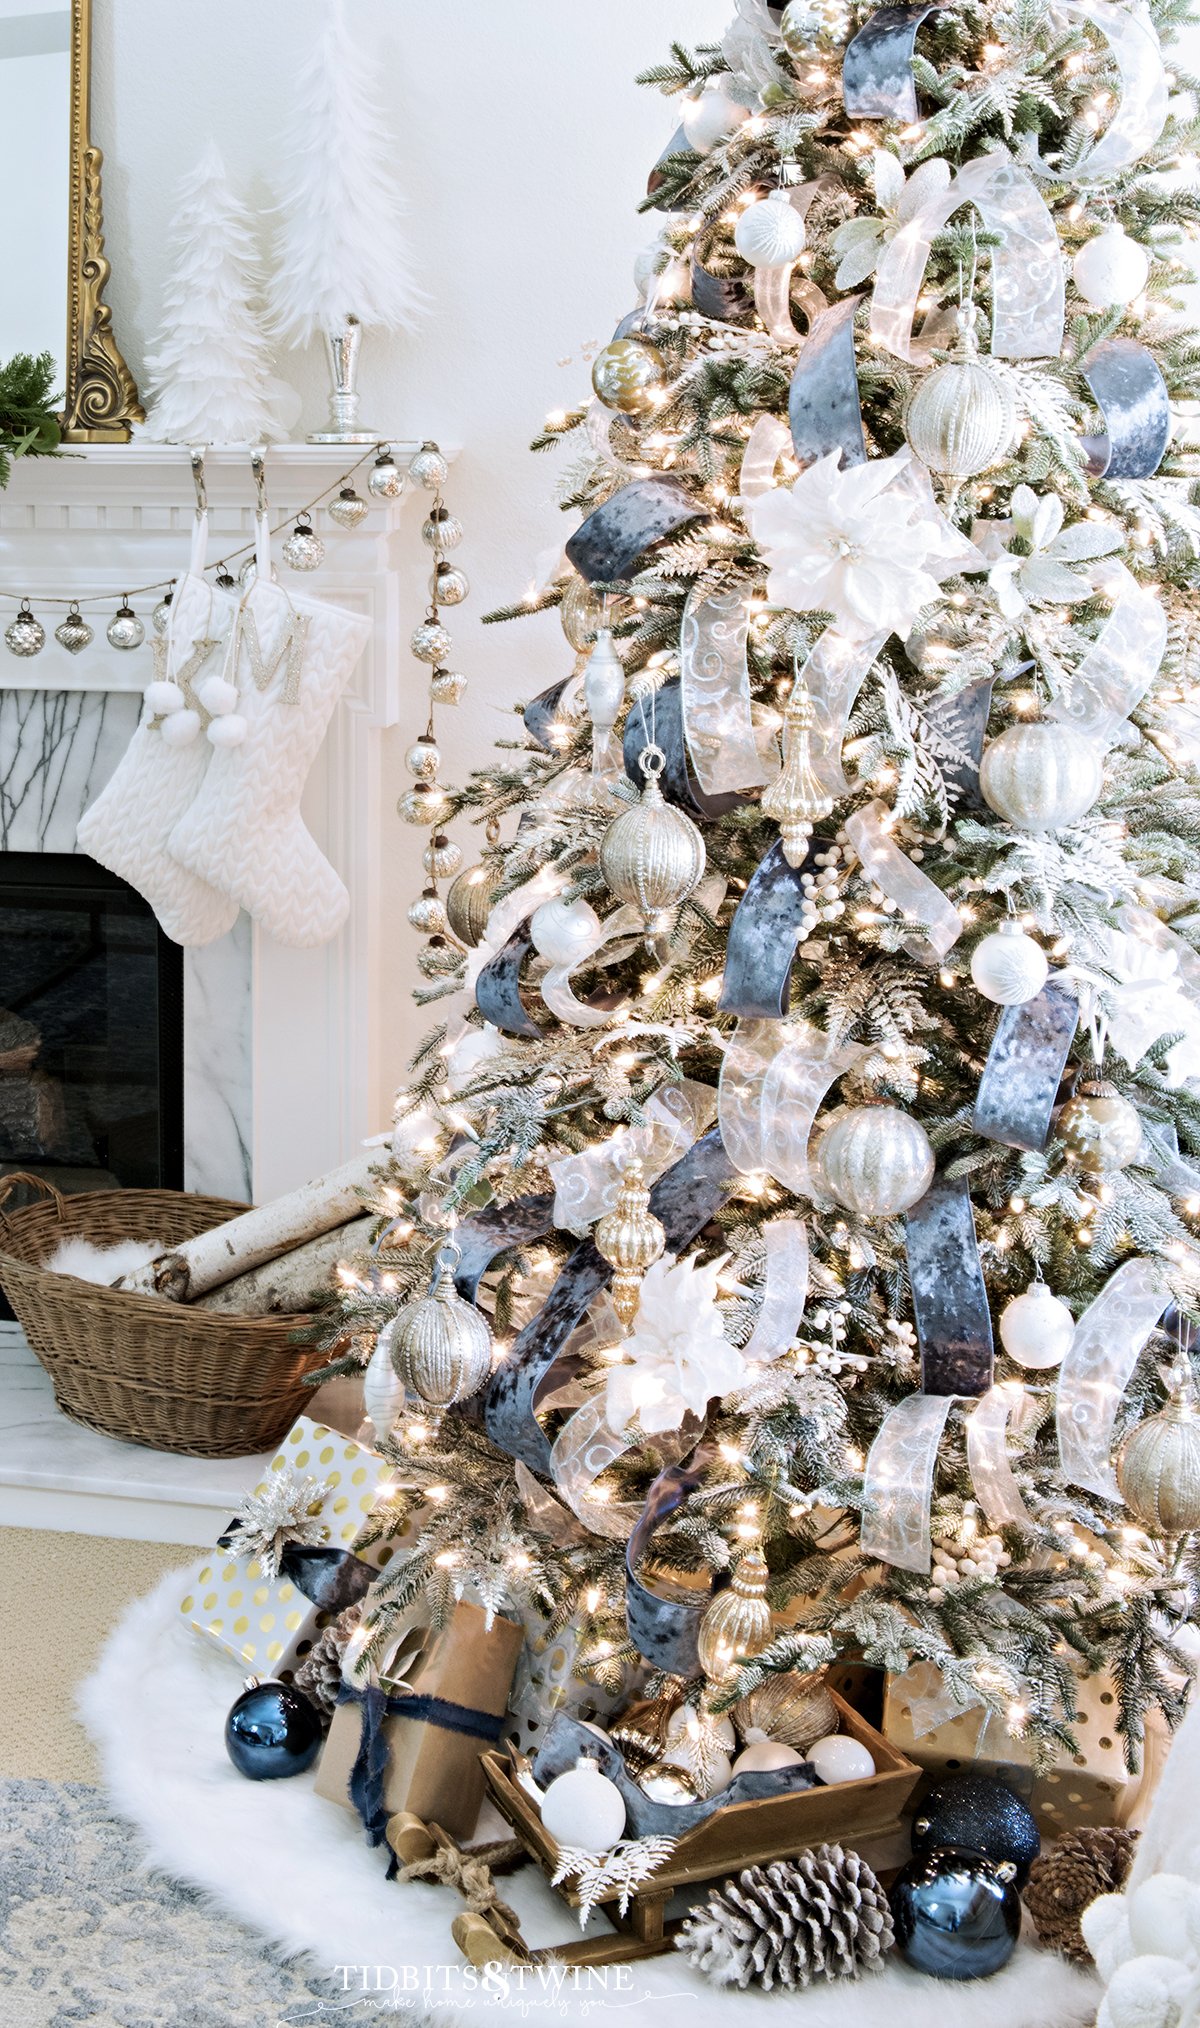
(341, 260)
(209, 365)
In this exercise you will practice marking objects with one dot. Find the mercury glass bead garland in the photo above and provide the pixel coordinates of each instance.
(652, 856)
(25, 635)
(441, 1345)
(125, 630)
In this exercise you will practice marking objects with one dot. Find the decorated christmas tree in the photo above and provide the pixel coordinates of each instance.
(790, 1250)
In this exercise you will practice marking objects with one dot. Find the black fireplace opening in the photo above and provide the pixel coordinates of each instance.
(91, 1029)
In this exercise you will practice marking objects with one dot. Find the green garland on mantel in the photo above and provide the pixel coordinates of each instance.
(29, 424)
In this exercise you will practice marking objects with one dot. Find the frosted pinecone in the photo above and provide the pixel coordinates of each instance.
(821, 1916)
(320, 1673)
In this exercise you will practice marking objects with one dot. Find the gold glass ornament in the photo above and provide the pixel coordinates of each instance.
(469, 903)
(737, 1624)
(1099, 1128)
(441, 1345)
(426, 805)
(630, 1238)
(74, 633)
(796, 798)
(427, 913)
(629, 375)
(349, 510)
(25, 635)
(652, 855)
(441, 857)
(1039, 775)
(582, 614)
(792, 1710)
(960, 420)
(1158, 1465)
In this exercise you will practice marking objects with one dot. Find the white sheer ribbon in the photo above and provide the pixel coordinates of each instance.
(1122, 662)
(912, 891)
(1109, 1339)
(898, 1482)
(586, 1185)
(773, 1080)
(786, 1291)
(1142, 112)
(996, 1488)
(715, 683)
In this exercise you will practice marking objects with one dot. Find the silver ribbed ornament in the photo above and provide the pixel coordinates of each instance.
(125, 630)
(385, 480)
(441, 857)
(961, 419)
(303, 549)
(429, 468)
(446, 686)
(1158, 1465)
(442, 529)
(652, 855)
(875, 1160)
(441, 1345)
(1040, 776)
(25, 635)
(349, 510)
(449, 585)
(431, 642)
(426, 805)
(74, 633)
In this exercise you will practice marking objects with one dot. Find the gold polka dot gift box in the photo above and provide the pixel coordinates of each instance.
(266, 1609)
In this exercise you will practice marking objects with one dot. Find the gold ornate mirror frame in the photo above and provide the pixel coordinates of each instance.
(101, 394)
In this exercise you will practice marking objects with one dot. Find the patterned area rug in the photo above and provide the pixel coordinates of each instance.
(88, 1934)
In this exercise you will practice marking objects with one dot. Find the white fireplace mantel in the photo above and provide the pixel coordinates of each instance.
(283, 1047)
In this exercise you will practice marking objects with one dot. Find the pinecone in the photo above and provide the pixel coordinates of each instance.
(821, 1916)
(320, 1673)
(1068, 1878)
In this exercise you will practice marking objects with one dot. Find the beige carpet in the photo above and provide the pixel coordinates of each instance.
(59, 1596)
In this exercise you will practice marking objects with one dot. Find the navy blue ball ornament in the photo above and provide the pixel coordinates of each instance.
(982, 1814)
(272, 1731)
(957, 1915)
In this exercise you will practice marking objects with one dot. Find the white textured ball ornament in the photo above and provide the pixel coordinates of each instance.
(229, 730)
(1009, 967)
(217, 696)
(1041, 776)
(181, 728)
(840, 1759)
(770, 234)
(875, 1160)
(712, 117)
(164, 698)
(583, 1809)
(564, 932)
(1036, 1329)
(1111, 269)
(764, 1756)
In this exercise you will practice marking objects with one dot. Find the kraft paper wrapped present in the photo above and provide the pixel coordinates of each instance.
(410, 1737)
(269, 1623)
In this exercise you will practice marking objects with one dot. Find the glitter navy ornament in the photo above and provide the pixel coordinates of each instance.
(983, 1815)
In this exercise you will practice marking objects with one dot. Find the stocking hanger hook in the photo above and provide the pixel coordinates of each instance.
(258, 465)
(196, 455)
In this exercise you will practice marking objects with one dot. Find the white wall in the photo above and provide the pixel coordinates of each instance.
(525, 145)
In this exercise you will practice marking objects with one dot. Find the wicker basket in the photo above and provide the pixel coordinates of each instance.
(138, 1367)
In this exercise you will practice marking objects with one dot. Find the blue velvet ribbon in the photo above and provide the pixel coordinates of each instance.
(369, 1772)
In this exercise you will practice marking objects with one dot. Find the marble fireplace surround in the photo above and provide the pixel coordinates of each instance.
(281, 1046)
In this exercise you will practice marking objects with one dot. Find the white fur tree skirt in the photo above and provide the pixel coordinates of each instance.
(294, 1867)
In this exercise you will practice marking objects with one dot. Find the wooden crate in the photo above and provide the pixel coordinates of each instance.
(862, 1814)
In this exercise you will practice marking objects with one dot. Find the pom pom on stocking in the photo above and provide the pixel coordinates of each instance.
(181, 728)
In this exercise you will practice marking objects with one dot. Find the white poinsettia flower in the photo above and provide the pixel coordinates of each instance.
(678, 1355)
(1042, 576)
(859, 243)
(849, 542)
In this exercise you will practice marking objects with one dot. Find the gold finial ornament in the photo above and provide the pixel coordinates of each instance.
(441, 1345)
(737, 1625)
(1158, 1465)
(796, 798)
(630, 1238)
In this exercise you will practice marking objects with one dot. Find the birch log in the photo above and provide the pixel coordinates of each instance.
(291, 1284)
(213, 1258)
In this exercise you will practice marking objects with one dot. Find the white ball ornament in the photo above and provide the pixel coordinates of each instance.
(712, 117)
(1036, 1329)
(764, 1756)
(229, 730)
(164, 698)
(1009, 967)
(583, 1809)
(1111, 269)
(1039, 776)
(840, 1759)
(217, 696)
(181, 728)
(770, 234)
(564, 932)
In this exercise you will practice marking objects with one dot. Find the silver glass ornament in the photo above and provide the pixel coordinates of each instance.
(426, 805)
(125, 630)
(652, 855)
(249, 571)
(225, 580)
(303, 549)
(160, 618)
(441, 1345)
(349, 509)
(429, 468)
(74, 633)
(449, 585)
(428, 914)
(25, 635)
(385, 480)
(1158, 1465)
(1040, 775)
(442, 858)
(431, 642)
(1099, 1128)
(442, 530)
(438, 958)
(446, 686)
(875, 1160)
(960, 420)
(809, 25)
(343, 343)
(423, 758)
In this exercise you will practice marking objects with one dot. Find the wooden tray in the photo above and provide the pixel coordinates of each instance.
(744, 1834)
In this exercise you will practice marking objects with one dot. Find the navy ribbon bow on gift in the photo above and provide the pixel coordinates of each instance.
(369, 1772)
